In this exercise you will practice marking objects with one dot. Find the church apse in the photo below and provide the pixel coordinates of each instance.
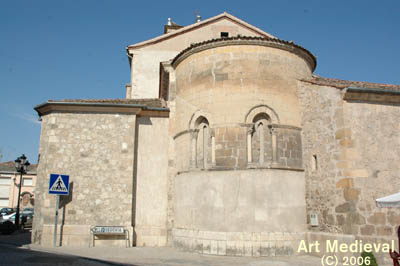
(238, 119)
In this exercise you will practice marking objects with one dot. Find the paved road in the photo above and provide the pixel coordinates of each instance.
(165, 256)
(16, 249)
(11, 255)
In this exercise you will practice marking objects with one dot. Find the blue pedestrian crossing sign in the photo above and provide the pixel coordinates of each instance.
(59, 184)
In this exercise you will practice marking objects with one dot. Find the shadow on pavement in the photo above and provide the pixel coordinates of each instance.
(12, 255)
(15, 251)
(17, 238)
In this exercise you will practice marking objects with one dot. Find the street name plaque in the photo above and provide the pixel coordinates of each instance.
(112, 230)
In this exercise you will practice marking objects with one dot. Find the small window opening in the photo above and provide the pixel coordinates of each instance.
(314, 219)
(314, 163)
(224, 34)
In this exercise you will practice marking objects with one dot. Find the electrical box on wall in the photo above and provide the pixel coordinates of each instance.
(314, 219)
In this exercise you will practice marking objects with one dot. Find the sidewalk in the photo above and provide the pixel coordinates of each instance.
(156, 256)
(170, 256)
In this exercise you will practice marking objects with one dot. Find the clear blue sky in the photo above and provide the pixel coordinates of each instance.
(76, 49)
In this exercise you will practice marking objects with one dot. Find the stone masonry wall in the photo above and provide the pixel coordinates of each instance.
(322, 112)
(230, 147)
(151, 185)
(240, 212)
(227, 82)
(289, 147)
(225, 85)
(371, 139)
(256, 244)
(96, 151)
(146, 60)
(350, 152)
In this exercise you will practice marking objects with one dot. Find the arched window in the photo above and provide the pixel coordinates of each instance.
(261, 139)
(202, 156)
(262, 144)
(203, 143)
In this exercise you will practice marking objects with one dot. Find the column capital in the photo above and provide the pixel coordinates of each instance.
(273, 130)
(194, 133)
(250, 129)
(212, 132)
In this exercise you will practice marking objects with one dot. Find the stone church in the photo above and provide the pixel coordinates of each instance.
(226, 144)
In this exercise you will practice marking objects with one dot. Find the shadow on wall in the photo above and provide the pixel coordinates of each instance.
(134, 188)
(64, 201)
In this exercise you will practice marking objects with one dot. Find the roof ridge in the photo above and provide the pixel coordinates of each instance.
(199, 24)
(106, 99)
(9, 166)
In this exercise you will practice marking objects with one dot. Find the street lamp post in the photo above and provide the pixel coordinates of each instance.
(21, 165)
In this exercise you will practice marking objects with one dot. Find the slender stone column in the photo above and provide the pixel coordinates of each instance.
(274, 142)
(205, 146)
(250, 131)
(193, 160)
(212, 132)
(260, 128)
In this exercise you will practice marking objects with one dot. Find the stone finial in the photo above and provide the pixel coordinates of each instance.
(169, 22)
(198, 18)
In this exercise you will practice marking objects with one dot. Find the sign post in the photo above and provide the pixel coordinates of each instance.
(55, 221)
(59, 185)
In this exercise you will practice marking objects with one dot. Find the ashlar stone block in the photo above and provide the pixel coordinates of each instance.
(378, 218)
(351, 194)
(367, 230)
(345, 183)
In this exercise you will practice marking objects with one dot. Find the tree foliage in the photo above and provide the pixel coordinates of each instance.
(368, 259)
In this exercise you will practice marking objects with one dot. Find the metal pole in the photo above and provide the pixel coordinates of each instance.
(19, 195)
(55, 222)
(398, 236)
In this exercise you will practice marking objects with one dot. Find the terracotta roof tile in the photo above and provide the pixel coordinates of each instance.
(155, 102)
(198, 25)
(252, 40)
(338, 83)
(10, 167)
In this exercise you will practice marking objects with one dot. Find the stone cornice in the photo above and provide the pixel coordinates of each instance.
(249, 126)
(284, 127)
(374, 95)
(252, 168)
(76, 107)
(243, 40)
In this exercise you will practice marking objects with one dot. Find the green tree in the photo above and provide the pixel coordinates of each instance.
(368, 259)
